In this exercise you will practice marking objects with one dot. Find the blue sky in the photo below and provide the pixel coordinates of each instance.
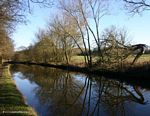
(25, 34)
(137, 26)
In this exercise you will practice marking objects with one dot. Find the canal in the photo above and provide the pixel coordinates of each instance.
(54, 92)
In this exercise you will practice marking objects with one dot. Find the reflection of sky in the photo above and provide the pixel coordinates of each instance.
(140, 109)
(29, 90)
(79, 78)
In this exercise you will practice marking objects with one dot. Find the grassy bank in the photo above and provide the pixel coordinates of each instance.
(144, 59)
(11, 100)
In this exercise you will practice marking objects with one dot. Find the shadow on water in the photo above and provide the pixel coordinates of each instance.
(73, 94)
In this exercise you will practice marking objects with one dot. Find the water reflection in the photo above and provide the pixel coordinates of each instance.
(71, 94)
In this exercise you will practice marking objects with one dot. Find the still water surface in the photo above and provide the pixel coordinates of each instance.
(53, 92)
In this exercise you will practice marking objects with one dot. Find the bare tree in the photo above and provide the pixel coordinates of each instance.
(46, 49)
(65, 34)
(41, 3)
(87, 15)
(137, 6)
(14, 11)
(113, 47)
(11, 12)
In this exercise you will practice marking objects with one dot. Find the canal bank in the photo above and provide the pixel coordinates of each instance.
(128, 72)
(11, 100)
(134, 75)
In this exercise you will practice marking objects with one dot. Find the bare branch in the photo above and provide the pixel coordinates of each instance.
(137, 6)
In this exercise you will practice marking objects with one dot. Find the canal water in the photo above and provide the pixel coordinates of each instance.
(54, 92)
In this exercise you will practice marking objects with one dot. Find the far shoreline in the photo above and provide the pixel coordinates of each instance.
(138, 75)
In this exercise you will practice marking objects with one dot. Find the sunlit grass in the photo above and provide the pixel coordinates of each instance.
(77, 60)
(143, 59)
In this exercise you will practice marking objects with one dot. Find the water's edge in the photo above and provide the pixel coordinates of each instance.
(138, 75)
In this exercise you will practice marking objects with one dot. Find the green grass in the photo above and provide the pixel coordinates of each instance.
(77, 60)
(11, 100)
(143, 59)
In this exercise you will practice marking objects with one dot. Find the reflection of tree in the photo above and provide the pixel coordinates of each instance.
(58, 89)
(66, 93)
(115, 96)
